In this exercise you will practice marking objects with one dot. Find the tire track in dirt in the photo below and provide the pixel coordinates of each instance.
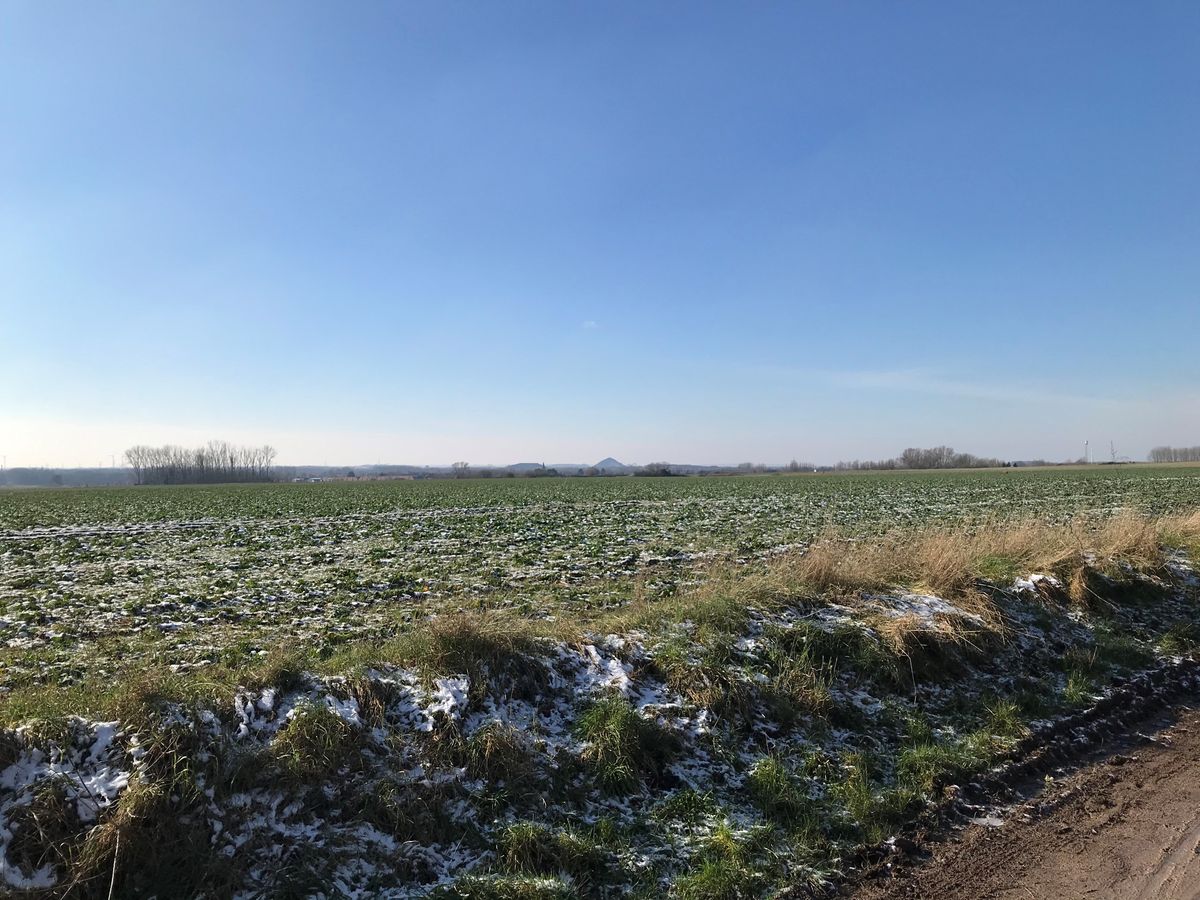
(1125, 827)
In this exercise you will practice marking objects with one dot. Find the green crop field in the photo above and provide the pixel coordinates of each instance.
(699, 688)
(179, 574)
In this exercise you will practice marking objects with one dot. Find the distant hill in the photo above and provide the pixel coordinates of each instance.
(608, 464)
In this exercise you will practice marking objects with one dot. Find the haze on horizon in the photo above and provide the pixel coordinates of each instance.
(416, 233)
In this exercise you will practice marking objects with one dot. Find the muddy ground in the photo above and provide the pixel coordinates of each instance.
(1125, 825)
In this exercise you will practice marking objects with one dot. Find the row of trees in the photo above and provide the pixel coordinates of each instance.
(926, 458)
(218, 462)
(1175, 454)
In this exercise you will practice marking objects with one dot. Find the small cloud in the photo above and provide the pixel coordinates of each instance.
(591, 325)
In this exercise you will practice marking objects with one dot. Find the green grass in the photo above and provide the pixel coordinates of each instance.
(999, 569)
(1182, 639)
(877, 810)
(412, 811)
(1080, 689)
(532, 848)
(506, 887)
(624, 749)
(1120, 651)
(842, 648)
(781, 796)
(928, 765)
(731, 867)
(315, 743)
(687, 806)
(1006, 719)
(715, 879)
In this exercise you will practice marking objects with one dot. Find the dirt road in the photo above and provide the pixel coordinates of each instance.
(1126, 827)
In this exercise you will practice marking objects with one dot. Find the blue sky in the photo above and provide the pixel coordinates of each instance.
(563, 230)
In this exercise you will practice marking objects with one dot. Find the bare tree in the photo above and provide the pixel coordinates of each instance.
(926, 458)
(658, 469)
(461, 469)
(1175, 454)
(216, 462)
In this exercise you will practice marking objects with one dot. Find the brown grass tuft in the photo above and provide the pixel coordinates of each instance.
(930, 648)
(952, 563)
(833, 563)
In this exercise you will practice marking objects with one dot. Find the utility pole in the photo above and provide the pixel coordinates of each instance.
(1087, 454)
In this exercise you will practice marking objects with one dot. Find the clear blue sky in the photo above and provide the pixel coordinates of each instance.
(563, 230)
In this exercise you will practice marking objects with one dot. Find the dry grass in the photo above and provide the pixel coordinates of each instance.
(933, 647)
(956, 564)
(1092, 557)
(146, 847)
(373, 697)
(1183, 533)
(952, 563)
(490, 647)
(834, 563)
(46, 830)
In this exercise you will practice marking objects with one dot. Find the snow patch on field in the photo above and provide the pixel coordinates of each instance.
(91, 770)
(926, 609)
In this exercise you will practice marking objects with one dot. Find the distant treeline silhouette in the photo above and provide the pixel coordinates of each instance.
(926, 458)
(1175, 454)
(218, 462)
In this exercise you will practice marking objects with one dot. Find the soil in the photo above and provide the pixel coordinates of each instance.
(1126, 826)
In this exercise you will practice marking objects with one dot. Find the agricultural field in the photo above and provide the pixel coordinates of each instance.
(692, 687)
(178, 575)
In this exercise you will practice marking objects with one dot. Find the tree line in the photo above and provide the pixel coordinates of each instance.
(217, 462)
(926, 458)
(1175, 454)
